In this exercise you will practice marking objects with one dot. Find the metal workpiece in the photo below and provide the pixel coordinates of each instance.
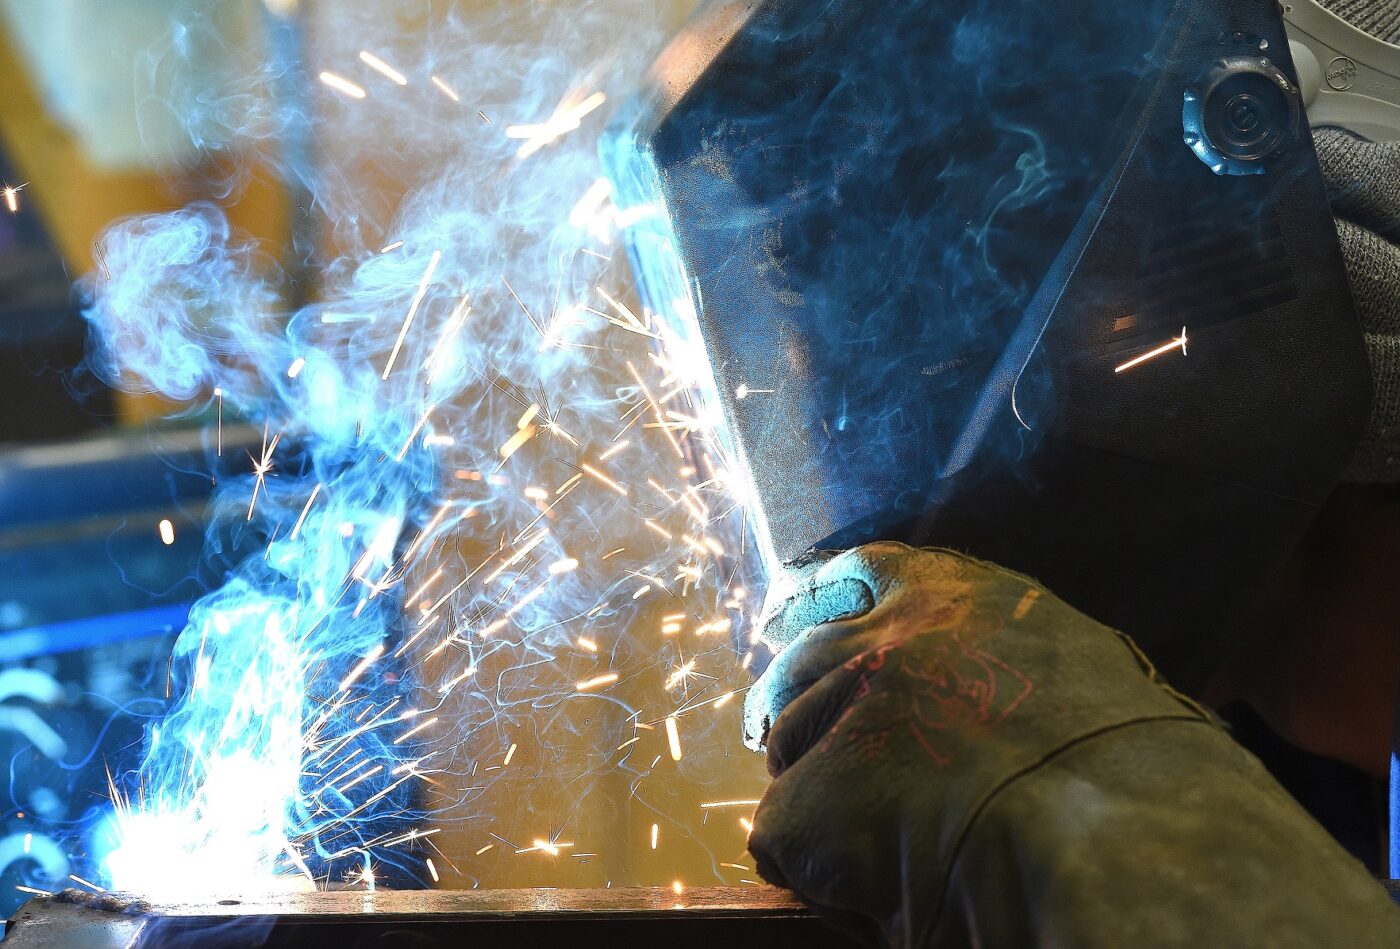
(755, 917)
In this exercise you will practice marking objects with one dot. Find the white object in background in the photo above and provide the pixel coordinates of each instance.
(1349, 79)
(122, 74)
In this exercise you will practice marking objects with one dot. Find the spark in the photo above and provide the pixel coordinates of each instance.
(427, 532)
(408, 442)
(566, 118)
(361, 666)
(655, 834)
(513, 444)
(296, 367)
(675, 445)
(591, 202)
(296, 529)
(743, 392)
(563, 566)
(261, 466)
(747, 824)
(412, 311)
(509, 754)
(414, 730)
(629, 319)
(450, 329)
(423, 587)
(383, 68)
(604, 478)
(484, 849)
(519, 555)
(681, 674)
(446, 89)
(342, 85)
(432, 869)
(388, 248)
(466, 674)
(1161, 350)
(620, 446)
(525, 309)
(219, 397)
(81, 882)
(588, 644)
(710, 804)
(364, 777)
(12, 197)
(167, 532)
(598, 682)
(673, 738)
(677, 887)
(516, 608)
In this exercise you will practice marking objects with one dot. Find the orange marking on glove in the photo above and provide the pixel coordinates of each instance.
(1026, 603)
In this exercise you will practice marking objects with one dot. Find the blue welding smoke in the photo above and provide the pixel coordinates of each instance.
(291, 752)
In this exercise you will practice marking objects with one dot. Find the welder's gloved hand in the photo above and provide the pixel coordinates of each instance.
(960, 758)
(1363, 184)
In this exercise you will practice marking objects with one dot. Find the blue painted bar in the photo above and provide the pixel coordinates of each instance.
(93, 631)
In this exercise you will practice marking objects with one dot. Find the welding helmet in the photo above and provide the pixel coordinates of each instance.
(1052, 282)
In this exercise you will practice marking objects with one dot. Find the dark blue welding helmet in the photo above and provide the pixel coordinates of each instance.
(1054, 282)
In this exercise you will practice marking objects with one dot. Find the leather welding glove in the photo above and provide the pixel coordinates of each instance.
(961, 759)
(1363, 185)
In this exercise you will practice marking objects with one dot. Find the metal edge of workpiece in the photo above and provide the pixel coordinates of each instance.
(80, 920)
(622, 901)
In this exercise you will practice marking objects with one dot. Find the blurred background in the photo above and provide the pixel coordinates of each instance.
(103, 493)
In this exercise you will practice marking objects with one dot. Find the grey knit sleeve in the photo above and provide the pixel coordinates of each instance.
(1380, 18)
